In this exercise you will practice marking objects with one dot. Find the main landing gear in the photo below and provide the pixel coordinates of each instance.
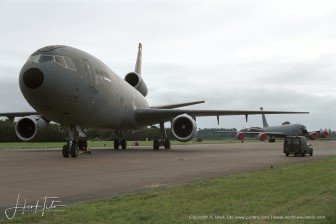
(75, 143)
(272, 139)
(164, 141)
(121, 141)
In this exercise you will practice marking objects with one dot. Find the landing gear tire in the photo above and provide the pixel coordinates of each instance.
(167, 144)
(123, 143)
(74, 150)
(65, 151)
(116, 144)
(156, 144)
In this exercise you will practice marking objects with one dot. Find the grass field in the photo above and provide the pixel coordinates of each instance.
(300, 193)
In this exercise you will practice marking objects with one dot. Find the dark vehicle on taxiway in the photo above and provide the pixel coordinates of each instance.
(297, 145)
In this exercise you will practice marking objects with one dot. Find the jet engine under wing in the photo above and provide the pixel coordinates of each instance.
(149, 116)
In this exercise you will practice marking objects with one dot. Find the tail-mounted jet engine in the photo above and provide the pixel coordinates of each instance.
(184, 127)
(135, 80)
(31, 128)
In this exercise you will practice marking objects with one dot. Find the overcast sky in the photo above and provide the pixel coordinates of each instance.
(242, 54)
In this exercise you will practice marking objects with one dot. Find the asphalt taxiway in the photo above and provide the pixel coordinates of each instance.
(35, 174)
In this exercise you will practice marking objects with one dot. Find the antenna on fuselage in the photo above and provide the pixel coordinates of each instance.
(138, 61)
(265, 125)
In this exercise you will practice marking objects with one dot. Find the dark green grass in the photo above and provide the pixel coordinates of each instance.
(306, 189)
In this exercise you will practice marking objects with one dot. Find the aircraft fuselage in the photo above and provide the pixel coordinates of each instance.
(71, 87)
(287, 130)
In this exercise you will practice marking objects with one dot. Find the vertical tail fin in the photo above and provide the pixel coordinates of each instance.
(138, 61)
(134, 78)
(265, 125)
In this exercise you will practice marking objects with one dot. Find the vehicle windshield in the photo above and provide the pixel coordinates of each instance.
(64, 61)
(292, 141)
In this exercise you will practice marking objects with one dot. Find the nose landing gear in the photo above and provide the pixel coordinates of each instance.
(75, 143)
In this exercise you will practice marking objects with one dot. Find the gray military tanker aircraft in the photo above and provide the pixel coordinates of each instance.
(286, 129)
(73, 88)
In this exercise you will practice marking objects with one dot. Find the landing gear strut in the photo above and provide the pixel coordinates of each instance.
(164, 141)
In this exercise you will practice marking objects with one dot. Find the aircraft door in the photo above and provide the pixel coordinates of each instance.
(88, 69)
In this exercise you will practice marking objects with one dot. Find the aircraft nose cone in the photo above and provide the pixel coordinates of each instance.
(33, 78)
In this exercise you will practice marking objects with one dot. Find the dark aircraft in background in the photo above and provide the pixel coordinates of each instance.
(286, 129)
(78, 91)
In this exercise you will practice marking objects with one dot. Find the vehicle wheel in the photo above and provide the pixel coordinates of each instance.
(287, 154)
(65, 151)
(156, 144)
(116, 144)
(303, 154)
(311, 154)
(123, 143)
(167, 144)
(295, 155)
(74, 150)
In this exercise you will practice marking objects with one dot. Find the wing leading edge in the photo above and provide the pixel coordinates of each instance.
(149, 116)
(173, 106)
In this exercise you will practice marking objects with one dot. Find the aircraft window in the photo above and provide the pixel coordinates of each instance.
(46, 58)
(66, 62)
(60, 60)
(34, 58)
(70, 64)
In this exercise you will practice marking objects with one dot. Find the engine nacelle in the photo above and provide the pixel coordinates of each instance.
(240, 136)
(184, 127)
(324, 134)
(31, 128)
(135, 80)
(312, 135)
(262, 136)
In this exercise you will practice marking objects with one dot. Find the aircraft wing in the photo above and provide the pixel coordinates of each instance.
(149, 116)
(12, 115)
(172, 106)
(255, 132)
(280, 134)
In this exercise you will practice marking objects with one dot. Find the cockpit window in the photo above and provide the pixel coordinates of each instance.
(60, 60)
(46, 58)
(69, 63)
(34, 58)
(64, 61)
